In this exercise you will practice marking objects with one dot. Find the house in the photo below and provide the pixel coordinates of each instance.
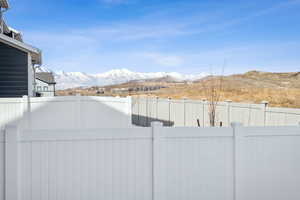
(17, 60)
(44, 84)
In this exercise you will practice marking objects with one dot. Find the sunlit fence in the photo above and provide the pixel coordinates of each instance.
(195, 113)
(151, 163)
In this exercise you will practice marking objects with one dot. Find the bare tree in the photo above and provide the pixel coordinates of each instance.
(213, 87)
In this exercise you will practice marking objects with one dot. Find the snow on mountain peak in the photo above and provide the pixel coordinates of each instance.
(116, 76)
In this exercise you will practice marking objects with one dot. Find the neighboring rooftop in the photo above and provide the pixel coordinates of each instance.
(46, 77)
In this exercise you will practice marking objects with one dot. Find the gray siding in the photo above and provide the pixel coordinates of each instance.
(13, 72)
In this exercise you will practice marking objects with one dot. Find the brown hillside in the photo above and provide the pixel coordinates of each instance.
(280, 89)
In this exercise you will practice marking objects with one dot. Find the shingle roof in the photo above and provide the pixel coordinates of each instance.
(46, 77)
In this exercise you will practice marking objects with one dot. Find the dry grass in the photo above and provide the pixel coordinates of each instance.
(276, 97)
(279, 89)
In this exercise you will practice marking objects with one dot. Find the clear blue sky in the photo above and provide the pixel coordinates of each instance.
(188, 36)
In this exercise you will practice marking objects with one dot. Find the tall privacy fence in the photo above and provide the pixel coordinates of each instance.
(194, 113)
(153, 163)
(66, 112)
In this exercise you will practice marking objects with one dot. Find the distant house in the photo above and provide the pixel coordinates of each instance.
(17, 61)
(44, 84)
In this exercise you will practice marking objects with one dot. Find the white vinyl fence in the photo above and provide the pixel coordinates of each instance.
(155, 163)
(188, 113)
(66, 112)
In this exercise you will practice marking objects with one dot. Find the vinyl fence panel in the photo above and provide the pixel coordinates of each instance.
(135, 111)
(240, 113)
(161, 163)
(152, 110)
(98, 164)
(177, 112)
(222, 114)
(143, 111)
(163, 112)
(10, 110)
(257, 115)
(105, 113)
(186, 113)
(269, 163)
(47, 113)
(196, 164)
(66, 112)
(2, 164)
(194, 110)
(282, 116)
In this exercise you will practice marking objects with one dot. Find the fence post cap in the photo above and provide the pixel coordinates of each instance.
(228, 101)
(156, 124)
(236, 124)
(265, 102)
(204, 99)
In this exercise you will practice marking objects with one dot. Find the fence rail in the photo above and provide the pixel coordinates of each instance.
(153, 163)
(193, 113)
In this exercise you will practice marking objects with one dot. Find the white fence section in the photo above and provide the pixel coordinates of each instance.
(158, 163)
(188, 112)
(66, 112)
(2, 164)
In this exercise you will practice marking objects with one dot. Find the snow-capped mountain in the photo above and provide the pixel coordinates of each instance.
(79, 79)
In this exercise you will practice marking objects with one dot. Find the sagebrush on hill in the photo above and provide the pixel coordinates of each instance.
(280, 89)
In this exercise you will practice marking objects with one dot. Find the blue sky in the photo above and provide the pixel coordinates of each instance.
(187, 36)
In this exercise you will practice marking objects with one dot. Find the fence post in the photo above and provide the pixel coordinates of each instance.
(237, 147)
(203, 112)
(184, 110)
(138, 110)
(228, 105)
(156, 153)
(11, 163)
(147, 111)
(78, 102)
(156, 107)
(264, 110)
(169, 109)
(26, 107)
(129, 110)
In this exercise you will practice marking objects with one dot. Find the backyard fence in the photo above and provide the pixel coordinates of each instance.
(193, 113)
(155, 163)
(66, 112)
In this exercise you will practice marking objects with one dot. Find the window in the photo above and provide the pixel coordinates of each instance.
(45, 88)
(39, 88)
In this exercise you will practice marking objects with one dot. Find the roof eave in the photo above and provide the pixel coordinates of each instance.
(50, 83)
(36, 54)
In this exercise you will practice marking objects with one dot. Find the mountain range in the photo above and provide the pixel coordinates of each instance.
(67, 80)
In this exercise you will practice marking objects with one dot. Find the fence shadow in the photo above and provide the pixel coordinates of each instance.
(145, 121)
(66, 112)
